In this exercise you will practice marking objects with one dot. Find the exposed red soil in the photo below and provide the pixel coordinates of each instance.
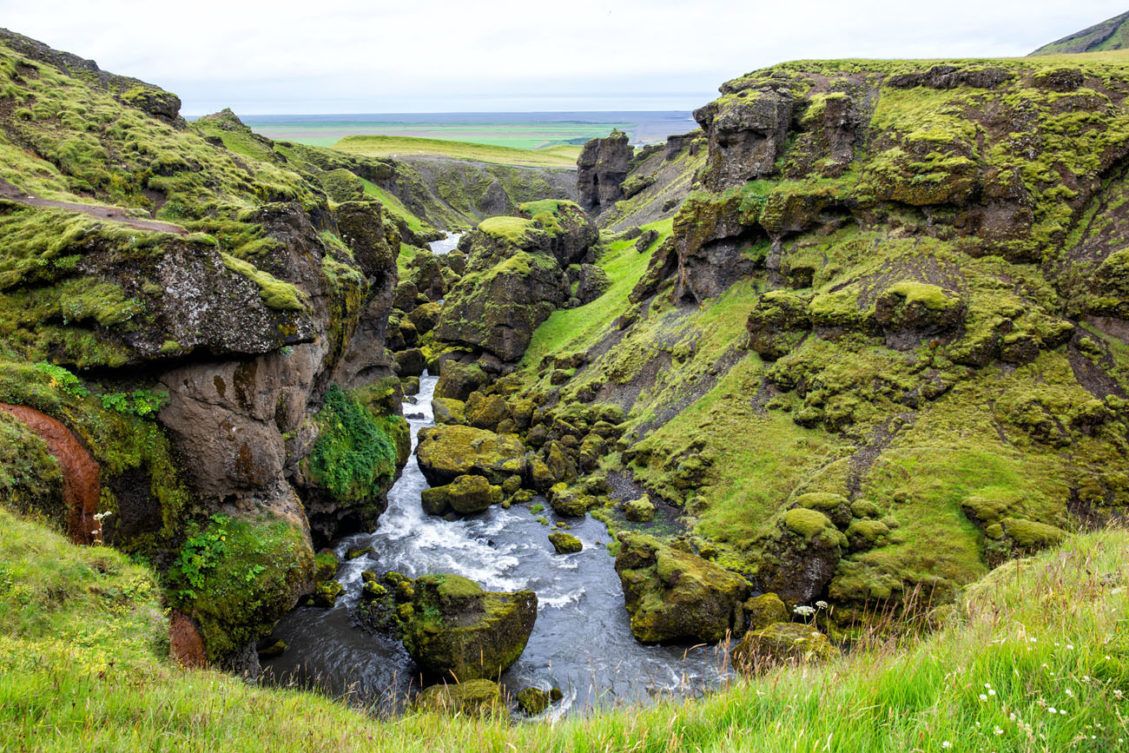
(81, 474)
(186, 645)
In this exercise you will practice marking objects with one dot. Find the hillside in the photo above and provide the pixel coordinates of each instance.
(183, 327)
(882, 318)
(1111, 34)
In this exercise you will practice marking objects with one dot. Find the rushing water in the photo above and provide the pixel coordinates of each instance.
(581, 641)
(446, 245)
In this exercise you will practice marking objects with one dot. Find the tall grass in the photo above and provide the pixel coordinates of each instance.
(1035, 658)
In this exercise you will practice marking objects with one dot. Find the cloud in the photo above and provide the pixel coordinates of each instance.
(433, 55)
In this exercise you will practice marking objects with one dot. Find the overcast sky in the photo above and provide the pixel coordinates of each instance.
(353, 56)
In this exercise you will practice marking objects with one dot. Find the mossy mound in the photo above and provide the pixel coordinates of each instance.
(673, 595)
(533, 701)
(453, 629)
(468, 698)
(449, 451)
(466, 495)
(236, 577)
(781, 643)
(764, 610)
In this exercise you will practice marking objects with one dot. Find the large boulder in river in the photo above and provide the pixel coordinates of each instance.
(674, 595)
(449, 451)
(465, 495)
(454, 630)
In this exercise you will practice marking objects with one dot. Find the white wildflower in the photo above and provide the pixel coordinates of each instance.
(804, 611)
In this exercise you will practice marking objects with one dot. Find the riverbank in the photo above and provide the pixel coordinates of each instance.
(1034, 635)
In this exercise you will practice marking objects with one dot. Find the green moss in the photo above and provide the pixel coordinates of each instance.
(276, 294)
(930, 296)
(236, 577)
(354, 456)
(807, 523)
(511, 229)
(1031, 535)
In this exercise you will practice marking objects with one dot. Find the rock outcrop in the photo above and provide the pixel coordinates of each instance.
(221, 302)
(601, 171)
(515, 277)
(674, 595)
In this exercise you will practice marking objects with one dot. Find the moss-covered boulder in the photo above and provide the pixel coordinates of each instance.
(466, 495)
(486, 411)
(565, 543)
(779, 643)
(799, 554)
(449, 451)
(326, 593)
(764, 610)
(533, 701)
(568, 501)
(640, 510)
(673, 595)
(448, 410)
(468, 698)
(458, 380)
(454, 629)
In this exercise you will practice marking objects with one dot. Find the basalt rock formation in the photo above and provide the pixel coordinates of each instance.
(601, 170)
(206, 325)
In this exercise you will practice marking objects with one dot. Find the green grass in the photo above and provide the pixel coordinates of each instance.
(408, 146)
(558, 137)
(82, 655)
(568, 330)
(395, 207)
(512, 229)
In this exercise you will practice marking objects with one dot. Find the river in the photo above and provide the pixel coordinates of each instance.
(581, 641)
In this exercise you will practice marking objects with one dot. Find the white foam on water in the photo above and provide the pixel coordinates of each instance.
(561, 600)
(445, 245)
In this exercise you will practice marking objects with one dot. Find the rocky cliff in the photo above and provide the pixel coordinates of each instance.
(892, 312)
(601, 170)
(208, 324)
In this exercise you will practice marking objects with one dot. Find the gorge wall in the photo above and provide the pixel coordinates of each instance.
(214, 339)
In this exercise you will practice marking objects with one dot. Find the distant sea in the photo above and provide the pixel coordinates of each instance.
(529, 130)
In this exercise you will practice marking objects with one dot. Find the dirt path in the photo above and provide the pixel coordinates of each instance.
(114, 214)
(81, 474)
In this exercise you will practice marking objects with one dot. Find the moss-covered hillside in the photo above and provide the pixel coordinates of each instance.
(1111, 34)
(885, 345)
(175, 303)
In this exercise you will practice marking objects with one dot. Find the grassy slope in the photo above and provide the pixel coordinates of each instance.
(577, 329)
(1111, 34)
(81, 653)
(407, 146)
